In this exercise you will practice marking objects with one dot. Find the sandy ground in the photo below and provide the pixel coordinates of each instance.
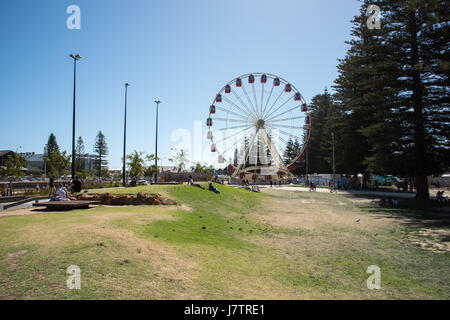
(23, 212)
(404, 195)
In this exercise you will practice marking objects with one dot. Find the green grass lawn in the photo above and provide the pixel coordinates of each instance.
(233, 245)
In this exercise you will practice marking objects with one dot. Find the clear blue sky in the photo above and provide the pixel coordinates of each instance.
(180, 52)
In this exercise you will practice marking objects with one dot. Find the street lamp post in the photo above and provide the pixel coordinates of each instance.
(307, 173)
(45, 161)
(156, 142)
(75, 59)
(124, 183)
(334, 165)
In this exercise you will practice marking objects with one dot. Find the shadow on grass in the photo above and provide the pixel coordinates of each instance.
(410, 211)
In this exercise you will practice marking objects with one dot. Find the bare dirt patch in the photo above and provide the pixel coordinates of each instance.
(436, 240)
(167, 271)
(11, 259)
(139, 216)
(185, 208)
(22, 212)
(311, 214)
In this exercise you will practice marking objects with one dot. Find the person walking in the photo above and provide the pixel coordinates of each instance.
(51, 184)
(76, 184)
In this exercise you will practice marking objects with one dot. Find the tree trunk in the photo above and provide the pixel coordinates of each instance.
(420, 153)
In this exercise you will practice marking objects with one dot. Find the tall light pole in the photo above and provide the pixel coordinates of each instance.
(124, 183)
(156, 143)
(307, 176)
(334, 165)
(75, 59)
(45, 161)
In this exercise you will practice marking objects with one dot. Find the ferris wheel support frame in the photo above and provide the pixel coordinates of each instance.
(279, 162)
(246, 154)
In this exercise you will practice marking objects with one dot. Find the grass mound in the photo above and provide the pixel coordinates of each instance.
(234, 245)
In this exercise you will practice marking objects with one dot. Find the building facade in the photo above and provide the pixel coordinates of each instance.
(4, 156)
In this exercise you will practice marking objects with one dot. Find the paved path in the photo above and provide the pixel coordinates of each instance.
(21, 206)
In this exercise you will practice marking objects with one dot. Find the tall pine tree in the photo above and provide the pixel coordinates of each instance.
(393, 84)
(80, 155)
(101, 149)
(52, 145)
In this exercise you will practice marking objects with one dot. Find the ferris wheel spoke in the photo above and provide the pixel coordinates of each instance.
(279, 146)
(249, 101)
(285, 119)
(230, 120)
(264, 116)
(268, 99)
(229, 128)
(233, 113)
(276, 142)
(245, 154)
(282, 140)
(287, 133)
(248, 112)
(289, 127)
(283, 132)
(273, 151)
(254, 96)
(250, 146)
(287, 100)
(229, 148)
(234, 134)
(262, 98)
(233, 145)
(280, 114)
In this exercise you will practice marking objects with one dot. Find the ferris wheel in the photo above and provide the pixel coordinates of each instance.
(252, 121)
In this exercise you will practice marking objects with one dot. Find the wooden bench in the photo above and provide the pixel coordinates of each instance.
(66, 205)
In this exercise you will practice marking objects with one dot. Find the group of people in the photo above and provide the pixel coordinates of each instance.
(311, 186)
(218, 180)
(210, 186)
(60, 190)
(405, 185)
(387, 202)
(253, 188)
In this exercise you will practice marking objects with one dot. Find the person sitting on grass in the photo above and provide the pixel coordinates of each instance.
(255, 189)
(60, 194)
(191, 182)
(212, 188)
(440, 196)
